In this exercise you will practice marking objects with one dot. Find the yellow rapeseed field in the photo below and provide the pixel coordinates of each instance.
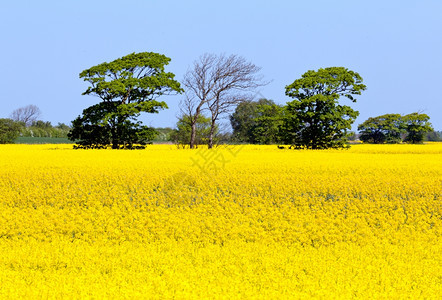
(235, 222)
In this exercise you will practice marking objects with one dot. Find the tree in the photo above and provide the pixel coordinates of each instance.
(389, 128)
(127, 87)
(416, 125)
(267, 124)
(382, 129)
(27, 114)
(243, 120)
(315, 119)
(256, 122)
(218, 84)
(9, 131)
(434, 136)
(182, 135)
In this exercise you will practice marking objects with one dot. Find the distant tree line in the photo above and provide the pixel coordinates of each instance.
(248, 126)
(24, 122)
(45, 129)
(218, 87)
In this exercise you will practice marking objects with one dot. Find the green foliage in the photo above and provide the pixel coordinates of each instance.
(268, 121)
(127, 87)
(95, 130)
(256, 122)
(134, 78)
(63, 126)
(242, 121)
(9, 131)
(315, 119)
(45, 129)
(390, 128)
(382, 129)
(416, 125)
(42, 124)
(181, 135)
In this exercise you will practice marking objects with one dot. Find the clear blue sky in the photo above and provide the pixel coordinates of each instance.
(396, 46)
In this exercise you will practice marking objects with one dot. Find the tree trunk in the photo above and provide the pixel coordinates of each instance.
(114, 135)
(212, 132)
(193, 135)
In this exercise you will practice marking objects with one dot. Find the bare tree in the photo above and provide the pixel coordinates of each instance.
(27, 114)
(217, 84)
(199, 83)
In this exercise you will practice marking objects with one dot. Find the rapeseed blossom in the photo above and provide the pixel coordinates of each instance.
(237, 222)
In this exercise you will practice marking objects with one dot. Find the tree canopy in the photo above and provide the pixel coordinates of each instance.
(9, 131)
(127, 87)
(416, 125)
(391, 128)
(256, 122)
(382, 129)
(315, 119)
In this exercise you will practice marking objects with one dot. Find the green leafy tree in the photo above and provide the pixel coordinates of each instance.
(263, 123)
(9, 131)
(416, 125)
(182, 135)
(256, 122)
(267, 124)
(127, 87)
(387, 128)
(242, 121)
(315, 119)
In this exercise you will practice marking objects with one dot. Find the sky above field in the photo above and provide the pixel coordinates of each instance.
(396, 46)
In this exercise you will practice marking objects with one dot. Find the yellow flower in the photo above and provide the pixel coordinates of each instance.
(238, 222)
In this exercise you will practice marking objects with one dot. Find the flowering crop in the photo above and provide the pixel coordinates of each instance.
(235, 222)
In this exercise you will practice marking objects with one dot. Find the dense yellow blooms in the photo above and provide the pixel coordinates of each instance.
(235, 222)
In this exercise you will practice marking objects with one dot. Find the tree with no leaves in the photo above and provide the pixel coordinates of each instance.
(27, 114)
(217, 84)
